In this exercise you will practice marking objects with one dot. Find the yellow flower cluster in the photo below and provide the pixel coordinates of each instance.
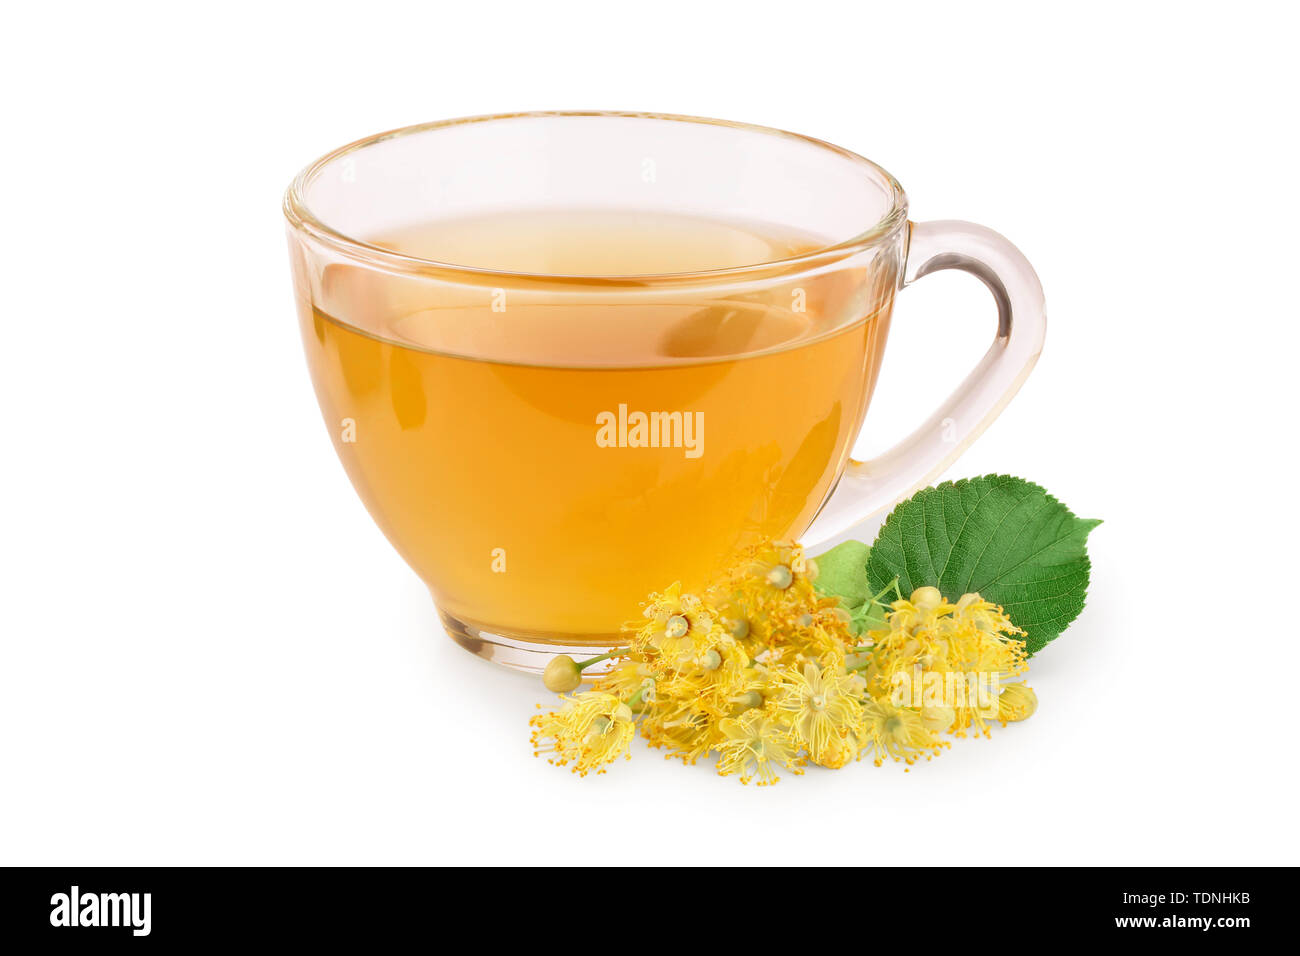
(952, 645)
(766, 673)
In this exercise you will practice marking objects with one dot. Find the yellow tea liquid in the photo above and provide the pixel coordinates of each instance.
(545, 453)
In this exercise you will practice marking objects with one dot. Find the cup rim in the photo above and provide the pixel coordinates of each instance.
(301, 217)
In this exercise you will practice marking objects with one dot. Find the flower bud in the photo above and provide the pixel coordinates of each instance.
(926, 598)
(561, 674)
(937, 719)
(1017, 702)
(837, 752)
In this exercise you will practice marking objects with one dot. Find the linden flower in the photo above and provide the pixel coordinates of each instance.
(897, 733)
(980, 633)
(624, 679)
(779, 563)
(773, 573)
(753, 746)
(822, 635)
(913, 635)
(981, 643)
(679, 625)
(824, 706)
(684, 731)
(800, 625)
(720, 674)
(591, 729)
(733, 617)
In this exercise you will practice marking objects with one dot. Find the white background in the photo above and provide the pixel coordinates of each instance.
(211, 655)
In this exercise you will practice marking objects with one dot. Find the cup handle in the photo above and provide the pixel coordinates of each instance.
(868, 488)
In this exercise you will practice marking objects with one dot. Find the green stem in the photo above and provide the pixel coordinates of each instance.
(891, 586)
(635, 698)
(617, 652)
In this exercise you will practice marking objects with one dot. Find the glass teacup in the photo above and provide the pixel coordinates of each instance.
(570, 358)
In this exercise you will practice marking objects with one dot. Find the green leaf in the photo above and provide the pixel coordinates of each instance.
(842, 572)
(1004, 537)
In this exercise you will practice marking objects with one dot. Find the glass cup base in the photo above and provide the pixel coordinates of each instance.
(520, 652)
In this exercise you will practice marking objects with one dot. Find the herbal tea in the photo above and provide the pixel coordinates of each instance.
(547, 457)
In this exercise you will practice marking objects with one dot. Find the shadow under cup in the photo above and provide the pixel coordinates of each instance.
(569, 359)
